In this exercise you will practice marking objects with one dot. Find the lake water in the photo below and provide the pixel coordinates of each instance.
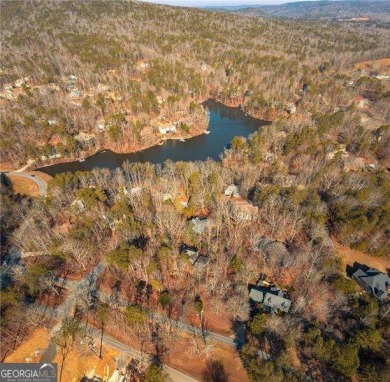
(225, 123)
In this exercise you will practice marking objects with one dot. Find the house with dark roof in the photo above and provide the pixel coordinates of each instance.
(272, 298)
(374, 282)
(195, 258)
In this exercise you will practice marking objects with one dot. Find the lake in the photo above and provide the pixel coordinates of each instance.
(225, 123)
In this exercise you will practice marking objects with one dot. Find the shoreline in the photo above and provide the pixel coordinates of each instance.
(122, 151)
(115, 151)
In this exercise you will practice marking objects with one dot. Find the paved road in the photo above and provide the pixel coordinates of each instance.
(41, 183)
(175, 375)
(67, 307)
(163, 318)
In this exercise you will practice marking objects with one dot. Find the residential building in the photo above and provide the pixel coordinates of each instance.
(374, 282)
(272, 298)
(232, 190)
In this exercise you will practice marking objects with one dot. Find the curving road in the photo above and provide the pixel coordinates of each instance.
(41, 183)
(230, 341)
(65, 309)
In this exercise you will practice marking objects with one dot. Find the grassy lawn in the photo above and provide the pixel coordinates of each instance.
(24, 186)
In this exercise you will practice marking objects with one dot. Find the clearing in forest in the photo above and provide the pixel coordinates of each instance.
(349, 256)
(382, 65)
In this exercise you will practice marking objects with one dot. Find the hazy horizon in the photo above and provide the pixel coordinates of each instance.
(211, 3)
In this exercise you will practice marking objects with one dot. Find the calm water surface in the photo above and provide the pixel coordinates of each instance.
(225, 123)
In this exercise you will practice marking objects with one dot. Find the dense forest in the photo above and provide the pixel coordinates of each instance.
(314, 179)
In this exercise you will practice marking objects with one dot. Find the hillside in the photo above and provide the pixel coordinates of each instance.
(344, 11)
(237, 269)
(153, 65)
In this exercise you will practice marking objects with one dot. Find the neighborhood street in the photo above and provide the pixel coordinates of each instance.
(87, 284)
(230, 341)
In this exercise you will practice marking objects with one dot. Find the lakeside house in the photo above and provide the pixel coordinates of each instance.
(374, 282)
(85, 138)
(167, 128)
(271, 297)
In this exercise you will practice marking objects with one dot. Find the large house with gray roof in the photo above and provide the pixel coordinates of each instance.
(272, 298)
(374, 282)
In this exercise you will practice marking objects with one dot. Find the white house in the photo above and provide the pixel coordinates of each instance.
(101, 125)
(233, 191)
(164, 129)
(19, 82)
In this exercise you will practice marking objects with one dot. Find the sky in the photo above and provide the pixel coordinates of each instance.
(190, 3)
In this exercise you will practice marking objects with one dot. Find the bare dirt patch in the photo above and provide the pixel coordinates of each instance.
(184, 357)
(349, 256)
(381, 66)
(38, 340)
(186, 353)
(24, 186)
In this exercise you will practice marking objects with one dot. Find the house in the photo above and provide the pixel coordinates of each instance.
(75, 93)
(19, 82)
(291, 108)
(352, 163)
(101, 125)
(52, 122)
(165, 196)
(199, 225)
(84, 137)
(232, 190)
(181, 200)
(269, 157)
(164, 129)
(8, 87)
(272, 298)
(136, 191)
(142, 65)
(78, 204)
(72, 79)
(273, 249)
(189, 252)
(194, 257)
(382, 77)
(286, 180)
(101, 88)
(374, 282)
(341, 151)
(242, 210)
